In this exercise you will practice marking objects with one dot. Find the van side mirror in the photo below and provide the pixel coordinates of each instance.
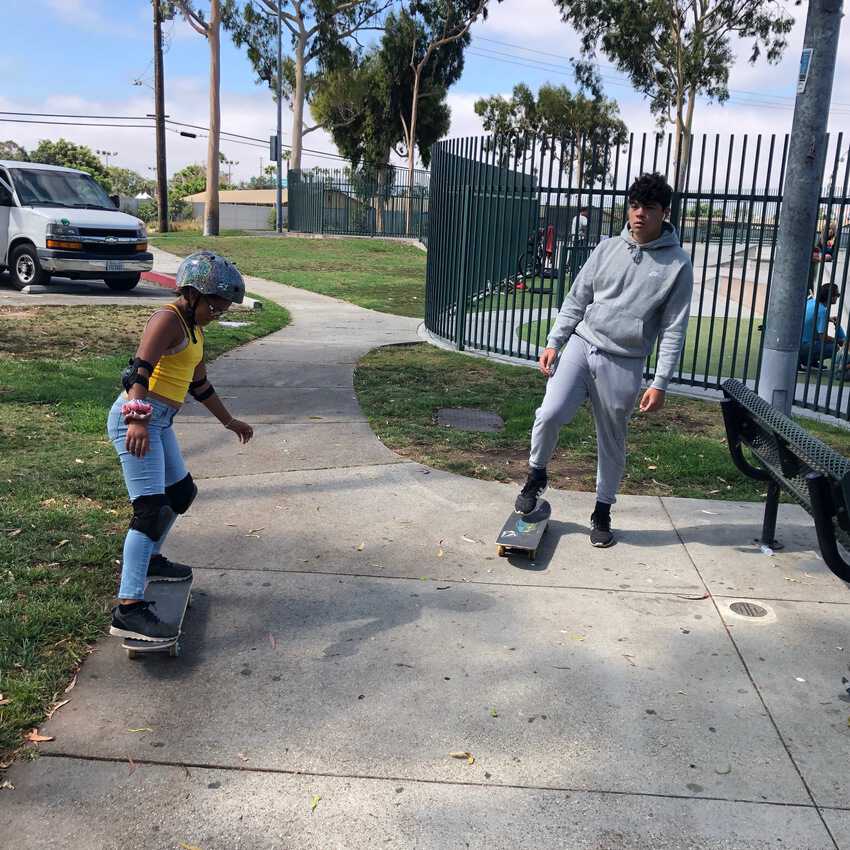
(116, 199)
(6, 199)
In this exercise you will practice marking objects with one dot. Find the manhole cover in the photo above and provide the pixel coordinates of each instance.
(470, 419)
(748, 609)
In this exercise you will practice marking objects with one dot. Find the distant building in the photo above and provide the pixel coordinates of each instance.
(241, 209)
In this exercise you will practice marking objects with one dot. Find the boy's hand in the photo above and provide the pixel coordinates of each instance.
(547, 361)
(653, 399)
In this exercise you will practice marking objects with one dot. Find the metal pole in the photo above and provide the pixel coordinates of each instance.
(159, 109)
(279, 188)
(801, 195)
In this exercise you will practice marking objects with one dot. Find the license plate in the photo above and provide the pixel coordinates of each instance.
(114, 266)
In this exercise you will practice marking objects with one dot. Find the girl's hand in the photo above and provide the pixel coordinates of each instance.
(242, 429)
(137, 441)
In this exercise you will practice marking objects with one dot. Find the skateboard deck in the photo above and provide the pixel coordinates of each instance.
(172, 599)
(523, 533)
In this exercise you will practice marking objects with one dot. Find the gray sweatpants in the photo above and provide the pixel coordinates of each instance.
(612, 383)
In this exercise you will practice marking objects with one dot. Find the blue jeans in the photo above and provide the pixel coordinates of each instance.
(816, 354)
(161, 467)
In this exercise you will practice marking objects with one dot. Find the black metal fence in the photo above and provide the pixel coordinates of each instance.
(511, 225)
(359, 202)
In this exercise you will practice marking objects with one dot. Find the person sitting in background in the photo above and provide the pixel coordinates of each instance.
(817, 343)
(826, 243)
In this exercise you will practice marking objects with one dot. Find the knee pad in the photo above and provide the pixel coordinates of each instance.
(151, 515)
(181, 494)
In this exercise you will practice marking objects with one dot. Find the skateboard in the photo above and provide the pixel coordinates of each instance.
(523, 533)
(172, 599)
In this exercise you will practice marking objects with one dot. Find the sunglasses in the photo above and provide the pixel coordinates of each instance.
(217, 310)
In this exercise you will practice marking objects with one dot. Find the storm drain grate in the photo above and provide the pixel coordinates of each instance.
(470, 419)
(748, 609)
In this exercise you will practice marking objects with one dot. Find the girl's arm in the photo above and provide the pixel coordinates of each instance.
(163, 331)
(204, 392)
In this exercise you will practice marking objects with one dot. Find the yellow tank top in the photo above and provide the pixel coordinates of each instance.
(172, 375)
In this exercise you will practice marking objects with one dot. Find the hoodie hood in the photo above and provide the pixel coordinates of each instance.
(668, 238)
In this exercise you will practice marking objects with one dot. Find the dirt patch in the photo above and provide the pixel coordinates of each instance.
(683, 417)
(70, 332)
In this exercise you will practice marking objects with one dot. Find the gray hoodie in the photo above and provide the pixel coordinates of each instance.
(626, 296)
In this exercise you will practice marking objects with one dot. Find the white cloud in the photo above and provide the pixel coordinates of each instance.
(536, 23)
(91, 15)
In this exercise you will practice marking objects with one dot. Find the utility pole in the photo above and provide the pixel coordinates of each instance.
(279, 189)
(799, 212)
(159, 109)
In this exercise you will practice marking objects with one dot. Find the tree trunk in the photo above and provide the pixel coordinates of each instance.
(685, 161)
(411, 146)
(381, 194)
(213, 36)
(298, 105)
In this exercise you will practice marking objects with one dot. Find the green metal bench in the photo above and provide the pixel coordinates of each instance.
(790, 459)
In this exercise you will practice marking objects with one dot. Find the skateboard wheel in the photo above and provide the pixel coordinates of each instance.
(501, 551)
(532, 555)
(189, 601)
(132, 654)
(174, 650)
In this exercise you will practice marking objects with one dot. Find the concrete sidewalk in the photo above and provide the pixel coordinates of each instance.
(353, 627)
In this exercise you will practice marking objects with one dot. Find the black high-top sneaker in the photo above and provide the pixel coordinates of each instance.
(138, 621)
(161, 569)
(534, 487)
(600, 529)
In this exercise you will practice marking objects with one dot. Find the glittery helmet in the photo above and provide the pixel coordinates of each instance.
(211, 274)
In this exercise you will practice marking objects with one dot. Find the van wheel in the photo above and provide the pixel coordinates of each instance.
(125, 282)
(25, 268)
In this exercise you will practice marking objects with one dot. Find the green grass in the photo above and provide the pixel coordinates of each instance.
(378, 274)
(680, 451)
(63, 505)
(708, 362)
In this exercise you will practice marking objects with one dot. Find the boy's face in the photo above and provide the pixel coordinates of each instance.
(645, 220)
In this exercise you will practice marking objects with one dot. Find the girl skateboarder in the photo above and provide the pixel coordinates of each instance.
(633, 289)
(168, 363)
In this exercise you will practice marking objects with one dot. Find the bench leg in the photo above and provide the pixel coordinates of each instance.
(823, 510)
(771, 508)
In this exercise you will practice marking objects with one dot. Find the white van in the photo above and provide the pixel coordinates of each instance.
(59, 221)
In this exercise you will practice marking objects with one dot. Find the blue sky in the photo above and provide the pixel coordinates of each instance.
(83, 56)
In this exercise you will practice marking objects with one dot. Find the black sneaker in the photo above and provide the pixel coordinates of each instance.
(161, 569)
(534, 488)
(600, 530)
(140, 623)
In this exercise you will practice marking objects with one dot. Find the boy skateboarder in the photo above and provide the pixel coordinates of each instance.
(634, 289)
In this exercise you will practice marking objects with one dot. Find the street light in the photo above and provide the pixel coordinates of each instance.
(106, 154)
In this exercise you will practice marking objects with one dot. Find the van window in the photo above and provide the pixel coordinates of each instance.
(37, 187)
(6, 199)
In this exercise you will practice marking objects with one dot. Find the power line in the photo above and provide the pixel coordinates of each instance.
(549, 68)
(234, 140)
(736, 92)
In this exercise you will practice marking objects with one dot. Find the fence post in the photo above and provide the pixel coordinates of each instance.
(460, 303)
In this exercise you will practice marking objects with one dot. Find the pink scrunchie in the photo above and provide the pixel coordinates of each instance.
(136, 411)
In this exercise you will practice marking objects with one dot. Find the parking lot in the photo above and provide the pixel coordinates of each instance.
(64, 291)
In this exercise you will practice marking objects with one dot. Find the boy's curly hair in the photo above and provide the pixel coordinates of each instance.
(651, 189)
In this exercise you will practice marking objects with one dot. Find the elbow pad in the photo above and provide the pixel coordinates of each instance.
(131, 374)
